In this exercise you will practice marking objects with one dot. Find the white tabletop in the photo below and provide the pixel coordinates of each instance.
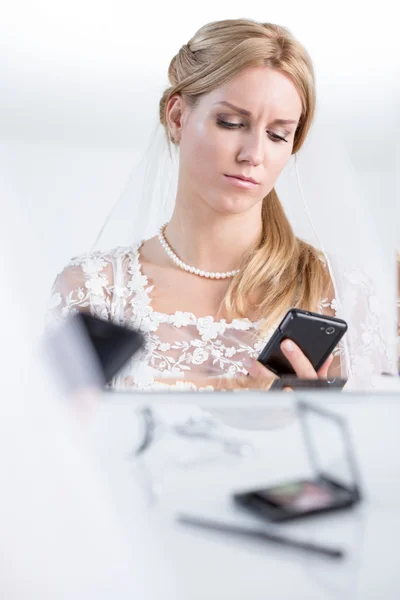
(212, 565)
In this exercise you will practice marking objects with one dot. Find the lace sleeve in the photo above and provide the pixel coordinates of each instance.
(328, 306)
(367, 347)
(86, 284)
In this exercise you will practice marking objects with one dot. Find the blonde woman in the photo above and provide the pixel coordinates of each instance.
(211, 287)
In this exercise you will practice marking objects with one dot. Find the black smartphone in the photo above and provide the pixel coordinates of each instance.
(316, 335)
(296, 499)
(113, 344)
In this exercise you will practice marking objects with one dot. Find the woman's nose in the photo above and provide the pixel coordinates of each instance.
(253, 149)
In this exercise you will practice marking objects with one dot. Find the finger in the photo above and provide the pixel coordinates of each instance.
(287, 389)
(257, 370)
(298, 360)
(323, 371)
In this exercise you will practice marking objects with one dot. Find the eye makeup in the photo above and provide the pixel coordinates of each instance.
(229, 125)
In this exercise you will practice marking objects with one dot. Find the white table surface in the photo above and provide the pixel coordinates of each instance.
(211, 565)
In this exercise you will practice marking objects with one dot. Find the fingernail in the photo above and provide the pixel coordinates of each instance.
(288, 345)
(247, 362)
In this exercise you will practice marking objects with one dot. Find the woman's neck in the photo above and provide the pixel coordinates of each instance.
(212, 241)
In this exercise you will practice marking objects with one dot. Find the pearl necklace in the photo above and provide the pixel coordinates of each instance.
(209, 275)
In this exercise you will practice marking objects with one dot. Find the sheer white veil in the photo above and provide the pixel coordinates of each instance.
(320, 191)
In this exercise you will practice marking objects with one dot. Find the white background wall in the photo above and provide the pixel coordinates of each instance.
(80, 83)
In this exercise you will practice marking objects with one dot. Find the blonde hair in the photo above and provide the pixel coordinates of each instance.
(281, 271)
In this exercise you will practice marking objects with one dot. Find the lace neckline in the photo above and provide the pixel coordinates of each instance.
(189, 318)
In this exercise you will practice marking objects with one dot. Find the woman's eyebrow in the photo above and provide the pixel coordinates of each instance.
(247, 113)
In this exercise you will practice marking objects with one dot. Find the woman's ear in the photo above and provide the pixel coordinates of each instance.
(174, 116)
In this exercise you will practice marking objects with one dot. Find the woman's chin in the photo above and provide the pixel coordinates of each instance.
(234, 206)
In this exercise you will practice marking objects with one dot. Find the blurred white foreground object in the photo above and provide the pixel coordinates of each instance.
(61, 535)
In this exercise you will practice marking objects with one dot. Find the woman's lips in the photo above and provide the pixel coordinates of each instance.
(242, 183)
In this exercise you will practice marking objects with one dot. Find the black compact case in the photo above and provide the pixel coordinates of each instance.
(86, 351)
(298, 498)
(325, 491)
(113, 344)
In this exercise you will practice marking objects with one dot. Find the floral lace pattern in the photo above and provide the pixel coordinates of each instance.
(370, 343)
(178, 346)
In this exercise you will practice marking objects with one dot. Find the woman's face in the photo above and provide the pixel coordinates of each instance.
(245, 128)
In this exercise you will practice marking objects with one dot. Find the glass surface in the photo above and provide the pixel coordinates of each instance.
(173, 437)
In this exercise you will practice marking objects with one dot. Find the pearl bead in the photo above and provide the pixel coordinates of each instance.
(175, 259)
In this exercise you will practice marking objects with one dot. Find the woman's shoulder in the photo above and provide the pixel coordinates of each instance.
(307, 249)
(89, 281)
(98, 259)
(96, 270)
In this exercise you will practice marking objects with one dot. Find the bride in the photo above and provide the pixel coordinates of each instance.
(211, 287)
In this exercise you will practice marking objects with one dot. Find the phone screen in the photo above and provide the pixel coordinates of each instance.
(300, 496)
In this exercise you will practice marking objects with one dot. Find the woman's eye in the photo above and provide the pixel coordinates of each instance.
(228, 125)
(276, 138)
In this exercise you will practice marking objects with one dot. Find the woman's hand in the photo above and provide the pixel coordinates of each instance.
(300, 363)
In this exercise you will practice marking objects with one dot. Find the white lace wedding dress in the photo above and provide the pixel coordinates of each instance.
(182, 350)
